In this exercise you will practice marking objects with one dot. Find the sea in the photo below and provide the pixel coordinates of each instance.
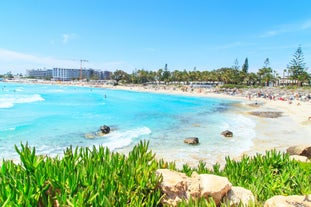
(52, 118)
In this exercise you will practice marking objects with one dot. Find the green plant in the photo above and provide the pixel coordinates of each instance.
(268, 175)
(82, 177)
(99, 177)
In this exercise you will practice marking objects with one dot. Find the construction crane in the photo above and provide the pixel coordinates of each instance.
(81, 67)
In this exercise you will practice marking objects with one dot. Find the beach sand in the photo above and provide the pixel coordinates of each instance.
(292, 128)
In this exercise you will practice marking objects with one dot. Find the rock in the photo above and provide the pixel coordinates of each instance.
(191, 140)
(238, 195)
(174, 186)
(193, 190)
(227, 133)
(288, 201)
(302, 150)
(105, 129)
(266, 114)
(214, 186)
(89, 136)
(299, 158)
(99, 134)
(177, 186)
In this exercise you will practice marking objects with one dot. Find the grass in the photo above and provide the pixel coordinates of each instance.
(100, 177)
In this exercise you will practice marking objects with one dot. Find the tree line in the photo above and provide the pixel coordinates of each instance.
(295, 73)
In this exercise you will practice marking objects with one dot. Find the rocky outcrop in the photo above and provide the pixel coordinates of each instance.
(174, 186)
(288, 201)
(302, 150)
(266, 114)
(299, 158)
(177, 186)
(238, 195)
(227, 133)
(191, 140)
(214, 186)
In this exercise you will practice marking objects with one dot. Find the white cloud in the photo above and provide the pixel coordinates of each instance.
(281, 29)
(287, 28)
(8, 55)
(21, 61)
(67, 37)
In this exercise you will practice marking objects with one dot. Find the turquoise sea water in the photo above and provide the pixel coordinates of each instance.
(53, 117)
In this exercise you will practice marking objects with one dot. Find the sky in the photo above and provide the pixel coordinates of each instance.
(147, 34)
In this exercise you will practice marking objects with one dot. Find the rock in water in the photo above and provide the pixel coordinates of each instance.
(227, 133)
(191, 140)
(105, 129)
(89, 136)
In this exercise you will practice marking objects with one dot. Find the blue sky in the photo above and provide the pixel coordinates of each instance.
(147, 34)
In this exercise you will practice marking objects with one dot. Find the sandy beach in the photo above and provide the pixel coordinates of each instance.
(292, 127)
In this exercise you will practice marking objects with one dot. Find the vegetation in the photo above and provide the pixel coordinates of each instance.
(265, 175)
(297, 68)
(83, 177)
(295, 74)
(99, 177)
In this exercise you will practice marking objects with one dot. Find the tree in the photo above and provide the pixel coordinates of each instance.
(159, 75)
(119, 75)
(166, 74)
(297, 67)
(265, 74)
(267, 63)
(251, 79)
(236, 65)
(245, 66)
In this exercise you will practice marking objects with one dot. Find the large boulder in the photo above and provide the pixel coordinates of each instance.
(191, 140)
(288, 201)
(302, 150)
(299, 158)
(239, 196)
(174, 186)
(214, 186)
(177, 186)
(227, 133)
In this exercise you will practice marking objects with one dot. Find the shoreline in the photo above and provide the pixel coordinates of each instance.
(291, 128)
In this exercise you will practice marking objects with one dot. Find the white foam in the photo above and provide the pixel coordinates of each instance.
(5, 105)
(8, 100)
(244, 132)
(29, 99)
(122, 139)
